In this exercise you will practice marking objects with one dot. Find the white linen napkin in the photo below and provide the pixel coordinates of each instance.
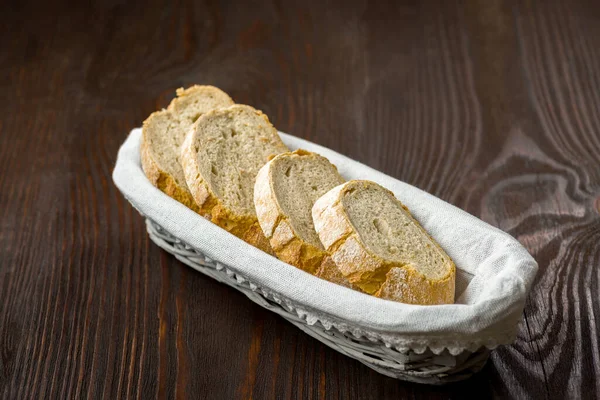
(494, 272)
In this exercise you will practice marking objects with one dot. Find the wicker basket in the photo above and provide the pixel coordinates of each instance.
(433, 345)
(422, 368)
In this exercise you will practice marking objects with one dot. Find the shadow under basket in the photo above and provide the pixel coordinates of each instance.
(426, 368)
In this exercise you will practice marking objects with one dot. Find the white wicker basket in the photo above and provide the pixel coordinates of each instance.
(434, 345)
(422, 368)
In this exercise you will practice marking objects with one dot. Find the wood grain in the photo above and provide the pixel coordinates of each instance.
(493, 106)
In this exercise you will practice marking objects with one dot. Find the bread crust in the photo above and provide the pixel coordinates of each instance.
(361, 267)
(245, 227)
(199, 191)
(159, 178)
(286, 243)
(329, 271)
(184, 93)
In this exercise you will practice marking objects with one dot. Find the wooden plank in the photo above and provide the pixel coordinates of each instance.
(492, 106)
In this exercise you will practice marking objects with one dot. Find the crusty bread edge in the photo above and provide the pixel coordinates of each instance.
(267, 208)
(245, 227)
(159, 178)
(286, 244)
(196, 185)
(359, 265)
(184, 92)
(329, 271)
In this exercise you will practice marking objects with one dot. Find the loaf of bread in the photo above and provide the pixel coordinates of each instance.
(221, 157)
(163, 133)
(228, 163)
(285, 191)
(378, 246)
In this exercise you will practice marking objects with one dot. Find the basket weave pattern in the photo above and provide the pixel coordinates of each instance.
(406, 365)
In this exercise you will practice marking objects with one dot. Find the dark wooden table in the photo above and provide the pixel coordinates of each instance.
(492, 106)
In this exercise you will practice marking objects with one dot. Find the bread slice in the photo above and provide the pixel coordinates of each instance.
(286, 189)
(221, 157)
(378, 246)
(163, 133)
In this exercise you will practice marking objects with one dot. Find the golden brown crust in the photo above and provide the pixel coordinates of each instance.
(255, 236)
(159, 178)
(371, 273)
(184, 92)
(358, 265)
(287, 245)
(198, 188)
(267, 209)
(414, 288)
(185, 95)
(148, 165)
(244, 227)
(330, 227)
(329, 271)
(199, 198)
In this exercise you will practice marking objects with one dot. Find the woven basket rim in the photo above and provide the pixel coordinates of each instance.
(384, 315)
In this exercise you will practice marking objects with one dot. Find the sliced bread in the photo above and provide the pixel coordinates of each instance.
(378, 246)
(221, 157)
(164, 131)
(285, 191)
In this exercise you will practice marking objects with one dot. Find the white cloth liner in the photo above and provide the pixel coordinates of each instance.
(494, 272)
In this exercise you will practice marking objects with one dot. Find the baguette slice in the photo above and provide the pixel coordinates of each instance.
(164, 131)
(378, 246)
(221, 157)
(286, 189)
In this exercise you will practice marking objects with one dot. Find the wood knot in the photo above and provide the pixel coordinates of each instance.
(597, 204)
